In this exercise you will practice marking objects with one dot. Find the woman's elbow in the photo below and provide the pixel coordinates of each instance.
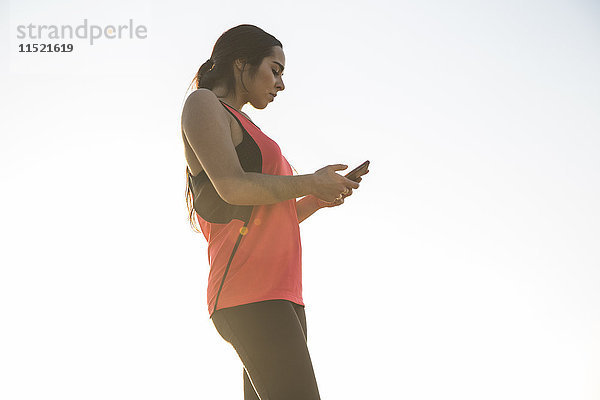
(229, 190)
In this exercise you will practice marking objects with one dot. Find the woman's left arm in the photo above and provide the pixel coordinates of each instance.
(306, 206)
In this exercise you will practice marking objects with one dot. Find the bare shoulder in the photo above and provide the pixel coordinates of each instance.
(200, 97)
(203, 105)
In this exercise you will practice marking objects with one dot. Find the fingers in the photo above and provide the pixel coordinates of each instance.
(344, 186)
(351, 184)
(364, 173)
(338, 201)
(338, 167)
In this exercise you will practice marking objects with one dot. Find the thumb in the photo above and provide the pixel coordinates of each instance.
(338, 167)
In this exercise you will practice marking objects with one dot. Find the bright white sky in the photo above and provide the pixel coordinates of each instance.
(467, 265)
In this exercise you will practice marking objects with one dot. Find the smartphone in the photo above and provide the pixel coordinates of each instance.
(358, 171)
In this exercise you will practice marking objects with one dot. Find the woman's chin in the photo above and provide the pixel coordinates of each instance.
(260, 106)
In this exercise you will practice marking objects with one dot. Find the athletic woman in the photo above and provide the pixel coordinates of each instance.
(242, 192)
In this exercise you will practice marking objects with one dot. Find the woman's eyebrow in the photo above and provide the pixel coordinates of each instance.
(281, 66)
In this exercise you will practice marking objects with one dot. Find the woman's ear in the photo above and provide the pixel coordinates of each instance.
(240, 63)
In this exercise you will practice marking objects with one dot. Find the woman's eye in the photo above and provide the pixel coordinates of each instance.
(275, 72)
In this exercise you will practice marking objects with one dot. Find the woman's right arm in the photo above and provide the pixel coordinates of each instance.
(207, 129)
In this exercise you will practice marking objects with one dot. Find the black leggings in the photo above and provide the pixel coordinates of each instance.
(270, 339)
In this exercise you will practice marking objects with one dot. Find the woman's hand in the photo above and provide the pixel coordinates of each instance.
(340, 200)
(329, 186)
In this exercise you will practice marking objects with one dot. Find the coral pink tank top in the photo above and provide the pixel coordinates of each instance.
(254, 252)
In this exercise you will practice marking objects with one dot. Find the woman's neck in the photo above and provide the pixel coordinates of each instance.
(232, 105)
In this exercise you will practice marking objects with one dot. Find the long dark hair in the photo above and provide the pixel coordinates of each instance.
(246, 42)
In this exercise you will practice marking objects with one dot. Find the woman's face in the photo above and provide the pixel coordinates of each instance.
(268, 80)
